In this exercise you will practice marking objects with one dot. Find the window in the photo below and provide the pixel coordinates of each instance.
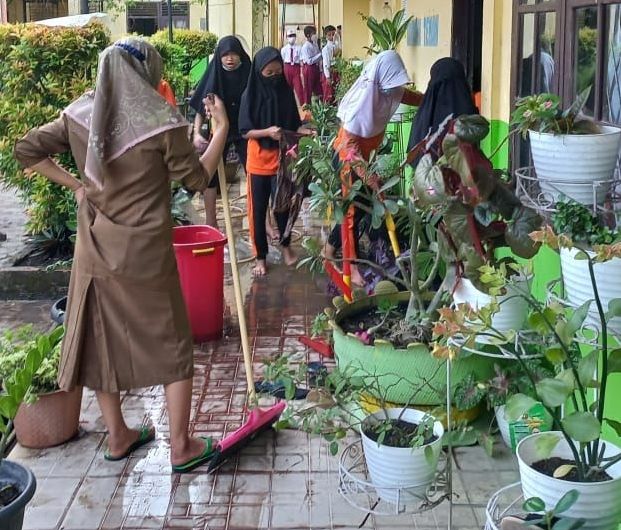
(565, 46)
(145, 18)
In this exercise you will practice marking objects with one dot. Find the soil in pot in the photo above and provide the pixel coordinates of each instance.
(400, 434)
(393, 329)
(8, 493)
(549, 465)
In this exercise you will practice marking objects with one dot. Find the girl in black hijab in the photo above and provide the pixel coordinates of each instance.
(268, 108)
(448, 93)
(227, 77)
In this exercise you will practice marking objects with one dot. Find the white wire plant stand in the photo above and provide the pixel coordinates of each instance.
(529, 191)
(357, 489)
(361, 493)
(505, 502)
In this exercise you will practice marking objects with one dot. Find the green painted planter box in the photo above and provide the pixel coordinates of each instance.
(401, 376)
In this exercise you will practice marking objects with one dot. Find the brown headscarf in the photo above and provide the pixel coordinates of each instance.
(125, 107)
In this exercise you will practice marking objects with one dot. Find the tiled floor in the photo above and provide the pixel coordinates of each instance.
(284, 481)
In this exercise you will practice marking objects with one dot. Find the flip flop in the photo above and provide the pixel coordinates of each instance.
(147, 434)
(199, 460)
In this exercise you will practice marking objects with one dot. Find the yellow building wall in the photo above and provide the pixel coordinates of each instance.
(418, 59)
(496, 71)
(221, 17)
(356, 35)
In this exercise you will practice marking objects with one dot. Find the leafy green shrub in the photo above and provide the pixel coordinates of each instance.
(42, 70)
(188, 48)
(349, 71)
(14, 348)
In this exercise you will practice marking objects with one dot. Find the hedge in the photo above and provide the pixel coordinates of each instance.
(42, 70)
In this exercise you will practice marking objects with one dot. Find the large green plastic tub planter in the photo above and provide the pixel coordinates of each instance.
(409, 375)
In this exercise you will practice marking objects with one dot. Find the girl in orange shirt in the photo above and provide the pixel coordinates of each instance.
(267, 108)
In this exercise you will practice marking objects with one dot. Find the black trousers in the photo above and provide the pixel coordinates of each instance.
(241, 146)
(262, 188)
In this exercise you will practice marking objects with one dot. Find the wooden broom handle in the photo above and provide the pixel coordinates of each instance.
(239, 299)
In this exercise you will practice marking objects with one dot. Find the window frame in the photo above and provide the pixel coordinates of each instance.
(565, 48)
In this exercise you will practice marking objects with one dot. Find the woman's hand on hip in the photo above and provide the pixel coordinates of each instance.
(79, 193)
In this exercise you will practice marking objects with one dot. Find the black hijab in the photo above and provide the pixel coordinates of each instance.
(227, 85)
(265, 104)
(448, 93)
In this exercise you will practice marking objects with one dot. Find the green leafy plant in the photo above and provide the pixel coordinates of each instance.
(333, 407)
(387, 33)
(552, 519)
(507, 381)
(376, 191)
(42, 70)
(17, 386)
(349, 70)
(477, 211)
(575, 374)
(180, 56)
(577, 222)
(543, 113)
(15, 346)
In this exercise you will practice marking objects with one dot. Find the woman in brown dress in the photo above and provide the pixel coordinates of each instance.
(126, 323)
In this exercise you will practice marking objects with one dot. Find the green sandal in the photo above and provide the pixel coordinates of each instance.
(147, 434)
(199, 460)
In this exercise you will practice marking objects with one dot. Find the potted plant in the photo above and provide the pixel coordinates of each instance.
(573, 156)
(17, 483)
(401, 445)
(387, 34)
(586, 234)
(478, 215)
(385, 330)
(48, 416)
(574, 456)
(536, 516)
(508, 380)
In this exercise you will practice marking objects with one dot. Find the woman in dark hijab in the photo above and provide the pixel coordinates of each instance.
(227, 77)
(268, 108)
(448, 93)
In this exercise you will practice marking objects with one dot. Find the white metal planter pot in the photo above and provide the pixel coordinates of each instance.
(578, 288)
(578, 166)
(405, 473)
(513, 308)
(599, 503)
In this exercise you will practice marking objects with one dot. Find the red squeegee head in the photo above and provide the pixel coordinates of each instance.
(258, 420)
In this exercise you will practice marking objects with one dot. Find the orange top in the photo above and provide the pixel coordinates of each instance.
(261, 161)
(166, 91)
(345, 141)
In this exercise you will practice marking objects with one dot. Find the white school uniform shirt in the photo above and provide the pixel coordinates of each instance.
(327, 54)
(286, 53)
(310, 53)
(368, 105)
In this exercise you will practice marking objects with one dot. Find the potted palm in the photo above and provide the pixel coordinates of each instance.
(17, 483)
(48, 416)
(574, 455)
(401, 445)
(386, 329)
(478, 214)
(584, 234)
(573, 156)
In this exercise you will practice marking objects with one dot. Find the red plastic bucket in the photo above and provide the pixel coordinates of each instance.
(200, 260)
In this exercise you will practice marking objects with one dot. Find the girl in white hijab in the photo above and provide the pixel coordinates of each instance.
(365, 111)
